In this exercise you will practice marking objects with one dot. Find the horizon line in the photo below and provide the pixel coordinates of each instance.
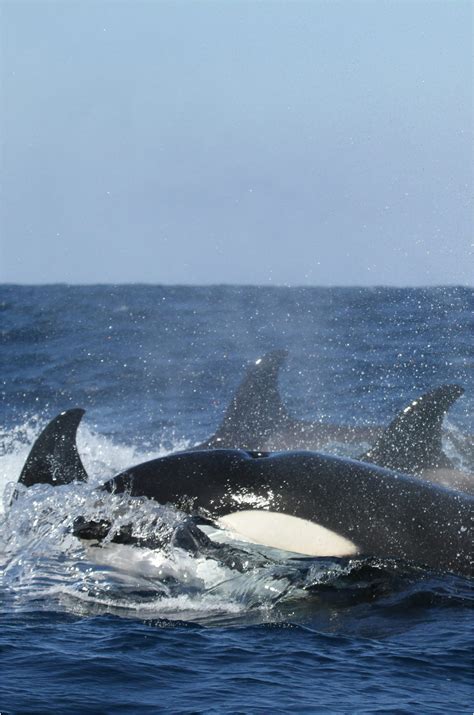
(231, 285)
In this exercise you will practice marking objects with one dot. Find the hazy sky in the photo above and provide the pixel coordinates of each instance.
(326, 143)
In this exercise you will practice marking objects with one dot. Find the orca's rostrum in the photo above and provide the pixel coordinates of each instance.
(305, 502)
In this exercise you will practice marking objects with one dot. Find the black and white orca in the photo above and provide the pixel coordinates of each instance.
(256, 419)
(304, 502)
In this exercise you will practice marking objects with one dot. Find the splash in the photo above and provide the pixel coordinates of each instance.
(101, 456)
(45, 566)
(43, 563)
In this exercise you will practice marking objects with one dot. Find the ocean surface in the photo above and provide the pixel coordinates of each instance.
(96, 630)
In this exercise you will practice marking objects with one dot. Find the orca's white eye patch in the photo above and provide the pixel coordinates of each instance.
(289, 533)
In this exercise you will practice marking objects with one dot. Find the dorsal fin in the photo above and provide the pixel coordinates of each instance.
(54, 458)
(412, 441)
(256, 409)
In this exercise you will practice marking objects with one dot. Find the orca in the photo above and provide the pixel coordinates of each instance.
(412, 442)
(256, 419)
(54, 459)
(306, 502)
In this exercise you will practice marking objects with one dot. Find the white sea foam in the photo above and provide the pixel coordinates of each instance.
(101, 456)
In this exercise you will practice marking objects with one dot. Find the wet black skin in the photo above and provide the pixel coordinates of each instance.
(384, 513)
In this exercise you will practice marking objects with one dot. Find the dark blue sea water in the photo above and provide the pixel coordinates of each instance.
(96, 631)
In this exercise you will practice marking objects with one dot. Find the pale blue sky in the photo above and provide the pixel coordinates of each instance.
(325, 143)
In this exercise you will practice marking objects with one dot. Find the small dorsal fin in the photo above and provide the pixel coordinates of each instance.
(412, 441)
(54, 458)
(256, 409)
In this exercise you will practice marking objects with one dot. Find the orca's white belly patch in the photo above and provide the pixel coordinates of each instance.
(289, 533)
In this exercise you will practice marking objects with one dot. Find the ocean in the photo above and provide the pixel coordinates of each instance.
(86, 631)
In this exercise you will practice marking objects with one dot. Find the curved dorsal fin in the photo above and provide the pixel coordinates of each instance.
(256, 409)
(54, 458)
(412, 441)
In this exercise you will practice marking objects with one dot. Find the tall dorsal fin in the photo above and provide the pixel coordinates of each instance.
(412, 441)
(54, 458)
(256, 409)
